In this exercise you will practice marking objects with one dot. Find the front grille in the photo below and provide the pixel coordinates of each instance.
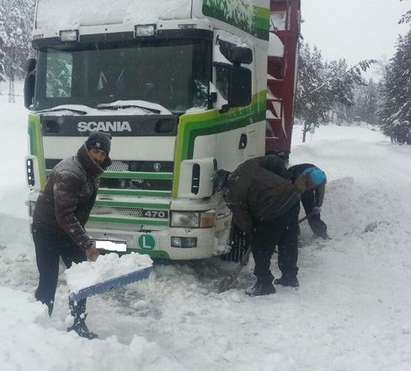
(134, 166)
(150, 185)
(143, 166)
(134, 213)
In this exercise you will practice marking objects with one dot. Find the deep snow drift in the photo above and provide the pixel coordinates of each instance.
(350, 313)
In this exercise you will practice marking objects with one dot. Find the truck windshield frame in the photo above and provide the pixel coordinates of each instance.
(172, 72)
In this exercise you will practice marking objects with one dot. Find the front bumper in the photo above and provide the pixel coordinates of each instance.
(158, 244)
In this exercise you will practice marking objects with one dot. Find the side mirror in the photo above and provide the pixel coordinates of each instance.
(240, 87)
(234, 83)
(30, 82)
(235, 54)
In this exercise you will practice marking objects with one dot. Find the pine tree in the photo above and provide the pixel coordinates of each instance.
(367, 100)
(15, 34)
(311, 102)
(325, 88)
(406, 18)
(396, 112)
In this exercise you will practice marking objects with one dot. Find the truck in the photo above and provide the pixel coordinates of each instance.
(185, 87)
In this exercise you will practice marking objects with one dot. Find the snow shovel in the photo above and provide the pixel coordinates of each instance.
(111, 284)
(128, 269)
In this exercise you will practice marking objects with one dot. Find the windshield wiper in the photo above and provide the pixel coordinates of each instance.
(148, 106)
(125, 106)
(57, 109)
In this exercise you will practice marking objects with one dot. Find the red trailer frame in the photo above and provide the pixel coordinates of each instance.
(282, 76)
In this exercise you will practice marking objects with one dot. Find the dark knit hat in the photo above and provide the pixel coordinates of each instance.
(99, 140)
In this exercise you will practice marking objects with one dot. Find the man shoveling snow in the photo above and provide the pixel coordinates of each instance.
(61, 212)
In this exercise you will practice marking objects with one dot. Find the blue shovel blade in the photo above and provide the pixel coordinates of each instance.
(111, 284)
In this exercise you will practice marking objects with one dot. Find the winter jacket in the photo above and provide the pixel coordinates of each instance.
(254, 193)
(318, 193)
(68, 197)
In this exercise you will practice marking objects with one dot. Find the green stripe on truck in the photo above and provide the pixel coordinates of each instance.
(131, 205)
(212, 122)
(129, 221)
(36, 146)
(136, 175)
(132, 192)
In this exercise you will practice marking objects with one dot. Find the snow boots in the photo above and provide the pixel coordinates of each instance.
(287, 280)
(261, 287)
(49, 303)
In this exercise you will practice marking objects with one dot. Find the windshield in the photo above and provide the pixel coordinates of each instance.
(172, 73)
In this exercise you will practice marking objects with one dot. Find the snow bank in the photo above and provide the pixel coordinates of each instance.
(108, 266)
(26, 345)
(13, 126)
(351, 311)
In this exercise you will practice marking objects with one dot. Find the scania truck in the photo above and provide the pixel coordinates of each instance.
(181, 85)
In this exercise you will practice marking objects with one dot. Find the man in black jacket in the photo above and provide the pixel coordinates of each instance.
(61, 212)
(265, 205)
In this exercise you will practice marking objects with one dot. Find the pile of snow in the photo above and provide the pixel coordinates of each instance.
(108, 266)
(351, 311)
(27, 345)
(13, 126)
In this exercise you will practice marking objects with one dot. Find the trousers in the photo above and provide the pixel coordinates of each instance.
(50, 247)
(283, 232)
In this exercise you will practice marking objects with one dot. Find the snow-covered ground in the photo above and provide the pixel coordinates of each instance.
(351, 312)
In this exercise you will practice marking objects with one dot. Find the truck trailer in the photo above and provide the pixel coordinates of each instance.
(185, 87)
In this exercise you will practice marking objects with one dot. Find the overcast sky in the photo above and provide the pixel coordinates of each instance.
(353, 29)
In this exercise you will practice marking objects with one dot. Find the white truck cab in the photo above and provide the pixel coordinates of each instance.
(181, 85)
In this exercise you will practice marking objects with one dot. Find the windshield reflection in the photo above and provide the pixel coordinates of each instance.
(174, 74)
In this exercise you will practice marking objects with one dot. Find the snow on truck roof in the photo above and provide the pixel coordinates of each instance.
(55, 15)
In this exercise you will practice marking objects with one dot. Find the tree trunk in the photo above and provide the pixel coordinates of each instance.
(12, 93)
(305, 130)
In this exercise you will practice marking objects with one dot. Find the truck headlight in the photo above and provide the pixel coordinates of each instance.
(185, 219)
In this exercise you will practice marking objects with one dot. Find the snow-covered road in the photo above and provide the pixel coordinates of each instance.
(351, 311)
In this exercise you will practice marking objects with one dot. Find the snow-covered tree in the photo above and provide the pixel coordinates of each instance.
(15, 34)
(311, 104)
(367, 102)
(325, 88)
(396, 112)
(406, 18)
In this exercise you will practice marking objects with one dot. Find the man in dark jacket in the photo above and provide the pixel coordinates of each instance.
(265, 205)
(312, 201)
(61, 212)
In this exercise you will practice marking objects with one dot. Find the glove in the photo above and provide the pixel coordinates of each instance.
(91, 252)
